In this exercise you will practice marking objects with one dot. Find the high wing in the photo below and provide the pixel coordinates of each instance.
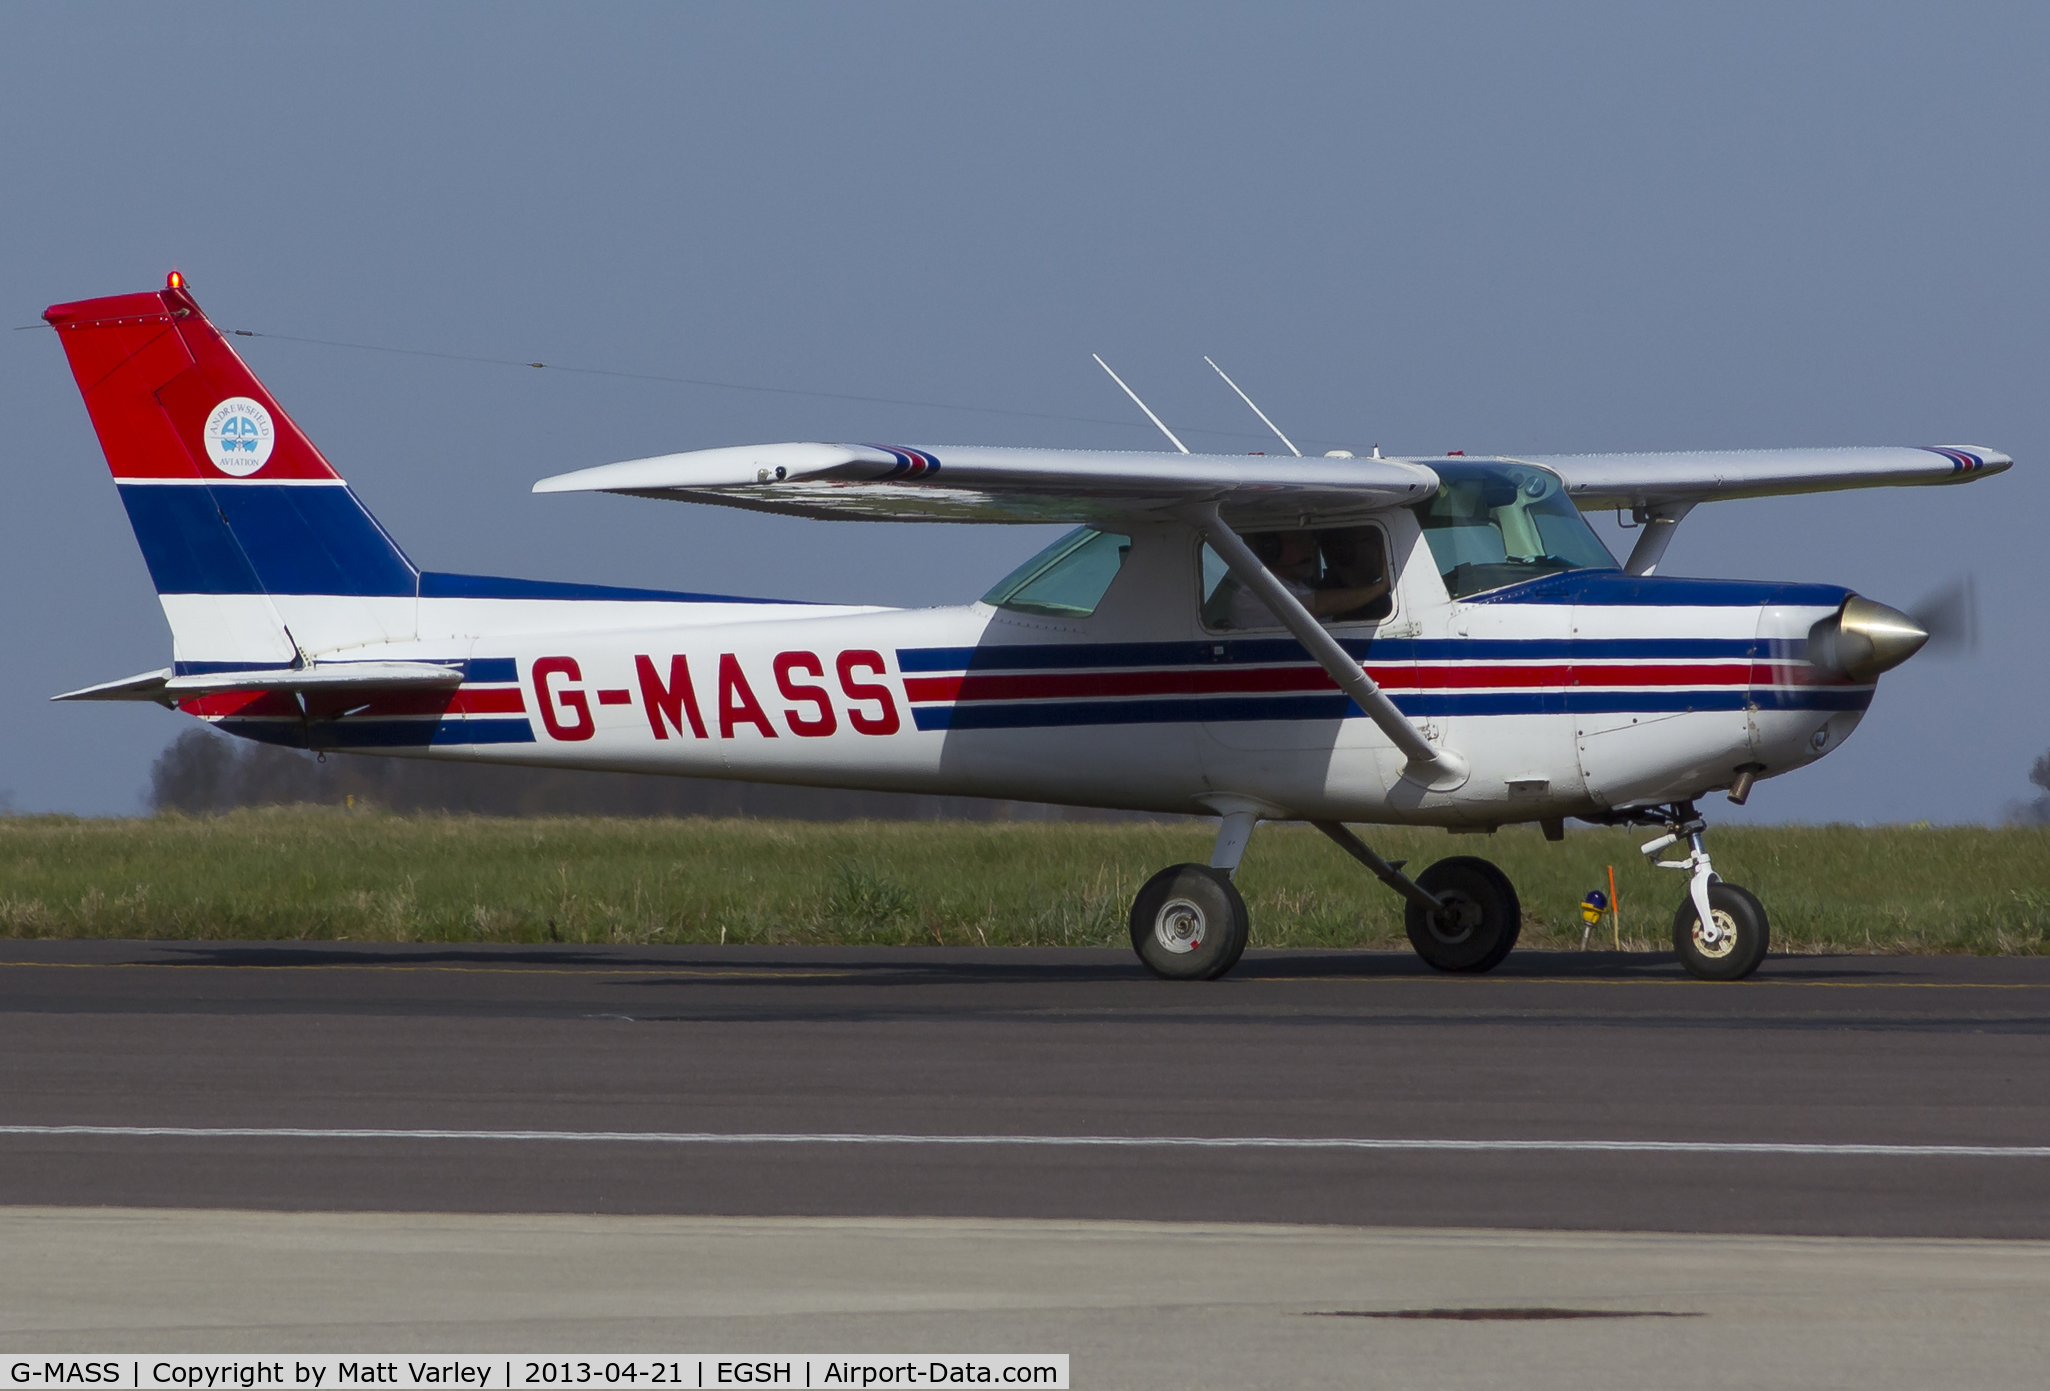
(1597, 481)
(975, 484)
(863, 482)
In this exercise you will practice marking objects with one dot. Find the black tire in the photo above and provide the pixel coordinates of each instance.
(1484, 916)
(1740, 915)
(1189, 923)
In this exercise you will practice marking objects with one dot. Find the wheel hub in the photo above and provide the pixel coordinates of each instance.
(1178, 927)
(1717, 938)
(1456, 921)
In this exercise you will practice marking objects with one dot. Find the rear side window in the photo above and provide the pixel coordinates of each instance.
(1066, 580)
(1340, 574)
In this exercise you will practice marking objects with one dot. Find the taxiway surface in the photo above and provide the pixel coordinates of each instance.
(1938, 1065)
(1138, 1306)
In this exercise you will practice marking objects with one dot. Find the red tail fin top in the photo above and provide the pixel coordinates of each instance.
(171, 399)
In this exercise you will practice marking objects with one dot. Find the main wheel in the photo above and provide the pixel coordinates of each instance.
(1479, 923)
(1189, 923)
(1737, 942)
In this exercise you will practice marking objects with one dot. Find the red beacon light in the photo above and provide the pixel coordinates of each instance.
(174, 281)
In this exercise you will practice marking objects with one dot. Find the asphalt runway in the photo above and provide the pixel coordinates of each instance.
(1937, 1065)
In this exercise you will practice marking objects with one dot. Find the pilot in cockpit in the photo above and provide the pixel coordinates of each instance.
(1355, 570)
(1349, 583)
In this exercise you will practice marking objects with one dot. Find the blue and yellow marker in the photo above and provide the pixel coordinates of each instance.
(1591, 909)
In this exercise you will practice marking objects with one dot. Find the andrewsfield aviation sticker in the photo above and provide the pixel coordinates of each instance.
(239, 436)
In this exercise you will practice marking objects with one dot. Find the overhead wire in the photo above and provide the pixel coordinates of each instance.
(720, 385)
(713, 383)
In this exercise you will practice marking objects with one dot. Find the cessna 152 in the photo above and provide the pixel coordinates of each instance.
(1438, 641)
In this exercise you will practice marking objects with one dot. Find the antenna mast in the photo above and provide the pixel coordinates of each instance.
(1143, 406)
(1256, 410)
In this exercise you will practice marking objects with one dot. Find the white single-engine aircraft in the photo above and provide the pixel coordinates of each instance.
(1438, 642)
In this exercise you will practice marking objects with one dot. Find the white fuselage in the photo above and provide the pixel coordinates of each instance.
(1569, 697)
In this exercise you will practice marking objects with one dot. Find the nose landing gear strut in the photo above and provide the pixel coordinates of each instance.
(1720, 930)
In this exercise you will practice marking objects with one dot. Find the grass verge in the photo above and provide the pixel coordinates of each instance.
(320, 874)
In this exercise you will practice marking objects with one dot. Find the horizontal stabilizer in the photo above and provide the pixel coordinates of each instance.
(889, 483)
(166, 688)
(148, 686)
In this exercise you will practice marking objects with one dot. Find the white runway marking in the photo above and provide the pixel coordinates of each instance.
(1223, 1142)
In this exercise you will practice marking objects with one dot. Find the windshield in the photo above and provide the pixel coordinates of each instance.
(1491, 525)
(1067, 579)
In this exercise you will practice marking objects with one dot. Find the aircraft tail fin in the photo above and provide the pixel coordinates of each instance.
(259, 550)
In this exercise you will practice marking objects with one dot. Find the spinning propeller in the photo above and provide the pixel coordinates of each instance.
(1950, 615)
(1863, 639)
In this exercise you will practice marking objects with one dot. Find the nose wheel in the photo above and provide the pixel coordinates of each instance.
(1731, 944)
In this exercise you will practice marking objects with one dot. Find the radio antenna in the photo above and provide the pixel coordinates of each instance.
(1142, 405)
(1256, 410)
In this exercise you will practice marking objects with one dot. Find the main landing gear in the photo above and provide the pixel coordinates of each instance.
(1720, 930)
(1189, 923)
(1476, 926)
(1462, 914)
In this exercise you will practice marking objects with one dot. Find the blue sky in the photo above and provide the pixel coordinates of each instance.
(1485, 227)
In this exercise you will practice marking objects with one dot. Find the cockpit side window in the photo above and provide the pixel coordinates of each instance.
(1066, 580)
(1340, 574)
(1492, 525)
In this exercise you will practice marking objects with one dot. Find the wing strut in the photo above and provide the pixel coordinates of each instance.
(1440, 770)
(1659, 524)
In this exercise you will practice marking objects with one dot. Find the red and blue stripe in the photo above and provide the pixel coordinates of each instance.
(488, 708)
(1023, 686)
(1962, 462)
(911, 463)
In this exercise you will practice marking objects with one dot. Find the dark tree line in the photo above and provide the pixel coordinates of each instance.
(205, 771)
(2037, 812)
